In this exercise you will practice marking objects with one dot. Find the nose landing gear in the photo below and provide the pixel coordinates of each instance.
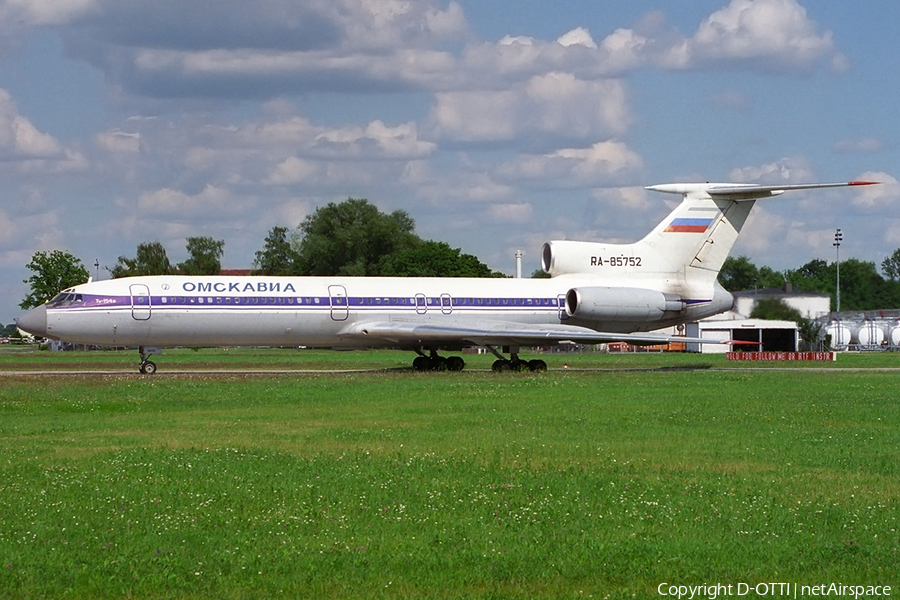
(148, 367)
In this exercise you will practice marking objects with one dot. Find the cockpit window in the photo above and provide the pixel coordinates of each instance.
(65, 299)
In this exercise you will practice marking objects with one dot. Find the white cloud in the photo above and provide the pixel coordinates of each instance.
(217, 48)
(764, 230)
(31, 143)
(296, 135)
(44, 12)
(776, 33)
(787, 170)
(19, 137)
(375, 139)
(292, 171)
(28, 150)
(555, 103)
(633, 199)
(119, 142)
(213, 201)
(608, 158)
(509, 40)
(575, 167)
(883, 195)
(456, 184)
(162, 49)
(578, 37)
(625, 49)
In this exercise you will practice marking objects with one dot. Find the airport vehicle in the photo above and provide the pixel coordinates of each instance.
(597, 293)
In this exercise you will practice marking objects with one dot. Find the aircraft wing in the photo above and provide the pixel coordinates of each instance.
(502, 334)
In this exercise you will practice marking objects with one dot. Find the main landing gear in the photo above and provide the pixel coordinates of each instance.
(514, 363)
(148, 367)
(433, 362)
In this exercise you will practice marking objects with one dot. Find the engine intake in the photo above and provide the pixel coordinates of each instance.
(621, 304)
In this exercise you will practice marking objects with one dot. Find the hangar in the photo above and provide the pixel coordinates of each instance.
(774, 336)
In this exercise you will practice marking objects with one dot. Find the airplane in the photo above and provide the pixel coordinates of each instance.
(597, 293)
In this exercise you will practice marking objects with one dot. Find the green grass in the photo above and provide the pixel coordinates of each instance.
(403, 485)
(13, 358)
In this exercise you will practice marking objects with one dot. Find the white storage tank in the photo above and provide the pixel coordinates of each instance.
(895, 335)
(870, 335)
(840, 335)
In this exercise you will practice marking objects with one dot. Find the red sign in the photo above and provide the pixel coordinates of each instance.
(782, 356)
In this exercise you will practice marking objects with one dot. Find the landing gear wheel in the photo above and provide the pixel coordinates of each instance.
(501, 366)
(455, 364)
(148, 367)
(435, 362)
(537, 365)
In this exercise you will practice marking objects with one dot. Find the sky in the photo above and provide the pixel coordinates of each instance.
(496, 124)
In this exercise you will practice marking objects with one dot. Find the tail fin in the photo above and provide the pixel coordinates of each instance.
(688, 247)
(715, 212)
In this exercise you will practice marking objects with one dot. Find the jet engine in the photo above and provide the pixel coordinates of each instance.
(621, 304)
(565, 257)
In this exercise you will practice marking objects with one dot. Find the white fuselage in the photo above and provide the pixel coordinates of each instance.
(316, 311)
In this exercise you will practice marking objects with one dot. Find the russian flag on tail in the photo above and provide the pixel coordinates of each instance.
(687, 225)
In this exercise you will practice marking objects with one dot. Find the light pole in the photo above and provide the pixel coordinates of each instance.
(838, 237)
(97, 266)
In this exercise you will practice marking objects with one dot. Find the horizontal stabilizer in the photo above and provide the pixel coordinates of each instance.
(743, 191)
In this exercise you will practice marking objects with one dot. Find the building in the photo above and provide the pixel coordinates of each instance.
(810, 305)
(773, 336)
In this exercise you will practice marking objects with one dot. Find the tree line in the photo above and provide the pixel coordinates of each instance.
(350, 238)
(862, 286)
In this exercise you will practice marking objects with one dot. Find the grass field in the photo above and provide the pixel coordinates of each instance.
(396, 484)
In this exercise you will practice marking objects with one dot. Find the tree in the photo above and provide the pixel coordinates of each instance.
(205, 256)
(738, 274)
(151, 259)
(434, 259)
(815, 276)
(891, 265)
(862, 287)
(775, 309)
(52, 272)
(352, 238)
(770, 278)
(278, 256)
(10, 331)
(540, 274)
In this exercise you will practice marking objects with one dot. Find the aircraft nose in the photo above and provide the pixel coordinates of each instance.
(34, 321)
